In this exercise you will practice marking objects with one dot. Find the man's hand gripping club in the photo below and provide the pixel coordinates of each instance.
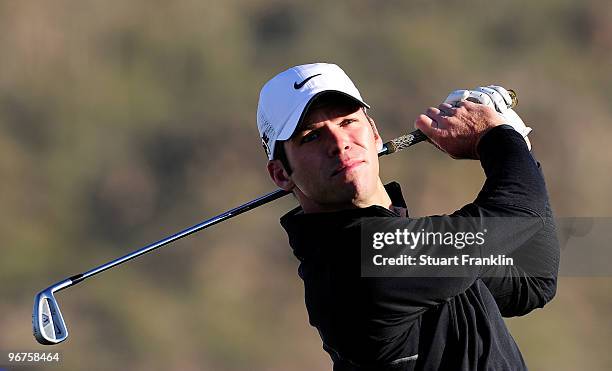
(457, 125)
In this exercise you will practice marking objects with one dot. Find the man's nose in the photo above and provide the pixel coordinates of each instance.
(337, 141)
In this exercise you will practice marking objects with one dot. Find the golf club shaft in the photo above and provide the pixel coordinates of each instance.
(390, 147)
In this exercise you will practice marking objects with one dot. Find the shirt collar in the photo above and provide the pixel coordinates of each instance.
(300, 226)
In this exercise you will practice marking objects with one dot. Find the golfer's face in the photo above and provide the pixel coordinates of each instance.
(334, 155)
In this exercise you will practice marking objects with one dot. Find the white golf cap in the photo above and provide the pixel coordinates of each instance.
(284, 99)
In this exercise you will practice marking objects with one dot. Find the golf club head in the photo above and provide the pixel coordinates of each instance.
(47, 321)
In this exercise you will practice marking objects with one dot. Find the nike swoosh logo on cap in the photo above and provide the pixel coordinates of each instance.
(297, 86)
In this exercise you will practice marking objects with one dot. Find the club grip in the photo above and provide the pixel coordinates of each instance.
(405, 141)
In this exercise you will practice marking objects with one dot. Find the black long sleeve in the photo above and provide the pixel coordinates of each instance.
(513, 205)
(515, 185)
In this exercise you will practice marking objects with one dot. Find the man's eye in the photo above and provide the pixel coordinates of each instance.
(309, 137)
(347, 122)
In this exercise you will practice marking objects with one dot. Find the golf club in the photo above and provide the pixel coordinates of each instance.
(47, 321)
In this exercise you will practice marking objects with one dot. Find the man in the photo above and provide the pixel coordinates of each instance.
(322, 146)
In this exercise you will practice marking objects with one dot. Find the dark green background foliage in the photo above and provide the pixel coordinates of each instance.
(123, 122)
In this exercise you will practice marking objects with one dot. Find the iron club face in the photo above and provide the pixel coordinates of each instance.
(47, 321)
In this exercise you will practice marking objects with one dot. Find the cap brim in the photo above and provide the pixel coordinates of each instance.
(299, 114)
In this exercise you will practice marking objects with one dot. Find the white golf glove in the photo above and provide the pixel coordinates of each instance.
(496, 97)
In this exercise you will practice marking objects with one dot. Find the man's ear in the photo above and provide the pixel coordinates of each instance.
(377, 136)
(279, 175)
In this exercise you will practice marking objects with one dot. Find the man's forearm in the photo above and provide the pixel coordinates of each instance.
(514, 178)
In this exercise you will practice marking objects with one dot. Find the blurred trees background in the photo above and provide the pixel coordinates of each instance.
(123, 122)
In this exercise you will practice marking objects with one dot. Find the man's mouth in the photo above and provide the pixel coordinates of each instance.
(346, 166)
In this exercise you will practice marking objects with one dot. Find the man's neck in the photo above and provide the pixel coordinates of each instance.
(380, 197)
